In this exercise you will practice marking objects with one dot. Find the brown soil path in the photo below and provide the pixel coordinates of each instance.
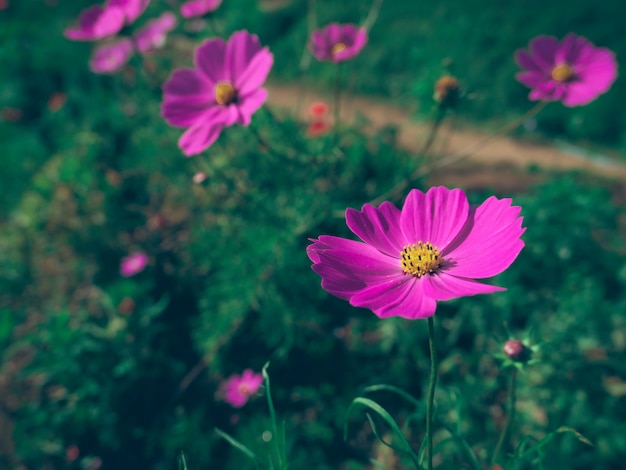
(501, 152)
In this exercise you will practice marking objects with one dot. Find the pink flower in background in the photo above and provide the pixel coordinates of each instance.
(337, 42)
(133, 264)
(199, 8)
(573, 71)
(224, 89)
(318, 109)
(111, 57)
(239, 388)
(97, 22)
(431, 250)
(152, 36)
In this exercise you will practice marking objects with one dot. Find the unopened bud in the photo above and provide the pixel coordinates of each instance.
(447, 92)
(516, 350)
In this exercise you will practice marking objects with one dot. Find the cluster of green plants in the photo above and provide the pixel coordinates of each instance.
(128, 369)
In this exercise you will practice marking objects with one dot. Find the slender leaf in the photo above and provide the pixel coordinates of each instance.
(237, 445)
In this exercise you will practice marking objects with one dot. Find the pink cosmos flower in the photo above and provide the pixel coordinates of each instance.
(152, 36)
(97, 22)
(111, 57)
(199, 7)
(223, 89)
(337, 42)
(239, 388)
(573, 71)
(431, 250)
(133, 264)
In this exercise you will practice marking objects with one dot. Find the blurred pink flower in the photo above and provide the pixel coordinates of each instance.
(431, 250)
(224, 89)
(199, 7)
(318, 109)
(239, 388)
(133, 264)
(97, 22)
(573, 71)
(199, 177)
(111, 57)
(337, 42)
(317, 128)
(152, 36)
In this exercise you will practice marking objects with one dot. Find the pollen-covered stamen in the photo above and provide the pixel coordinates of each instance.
(420, 258)
(225, 93)
(337, 48)
(562, 73)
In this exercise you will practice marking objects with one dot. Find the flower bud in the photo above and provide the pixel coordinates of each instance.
(447, 92)
(516, 350)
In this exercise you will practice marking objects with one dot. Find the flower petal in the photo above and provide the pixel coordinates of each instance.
(489, 242)
(525, 61)
(378, 227)
(434, 217)
(398, 297)
(543, 50)
(210, 60)
(249, 105)
(256, 73)
(532, 79)
(443, 286)
(240, 50)
(96, 23)
(347, 266)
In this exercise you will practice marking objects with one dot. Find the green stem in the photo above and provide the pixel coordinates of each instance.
(510, 418)
(337, 102)
(431, 390)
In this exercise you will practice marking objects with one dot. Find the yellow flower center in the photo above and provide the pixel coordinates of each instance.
(562, 73)
(337, 48)
(420, 258)
(244, 390)
(225, 93)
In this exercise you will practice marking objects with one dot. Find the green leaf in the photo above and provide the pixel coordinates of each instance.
(405, 447)
(237, 445)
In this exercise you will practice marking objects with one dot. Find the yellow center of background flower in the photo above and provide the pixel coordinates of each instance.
(243, 389)
(420, 258)
(225, 93)
(562, 73)
(337, 48)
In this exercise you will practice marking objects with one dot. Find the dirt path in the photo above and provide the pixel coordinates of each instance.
(505, 154)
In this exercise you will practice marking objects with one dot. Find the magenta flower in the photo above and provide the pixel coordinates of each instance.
(337, 42)
(97, 22)
(152, 36)
(223, 89)
(573, 71)
(133, 264)
(431, 250)
(239, 388)
(199, 7)
(111, 57)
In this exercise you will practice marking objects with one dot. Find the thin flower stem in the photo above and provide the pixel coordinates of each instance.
(431, 390)
(455, 157)
(441, 114)
(337, 102)
(509, 420)
(372, 16)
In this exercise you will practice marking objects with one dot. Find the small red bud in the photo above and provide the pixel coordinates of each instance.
(516, 350)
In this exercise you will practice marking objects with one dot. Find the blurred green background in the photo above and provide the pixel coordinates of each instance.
(127, 369)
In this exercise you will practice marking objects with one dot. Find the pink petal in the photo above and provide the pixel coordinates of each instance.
(132, 8)
(240, 50)
(111, 57)
(188, 84)
(399, 297)
(199, 7)
(543, 50)
(572, 49)
(443, 286)
(332, 33)
(378, 227)
(489, 242)
(97, 23)
(256, 72)
(525, 61)
(532, 79)
(248, 105)
(434, 217)
(210, 60)
(203, 134)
